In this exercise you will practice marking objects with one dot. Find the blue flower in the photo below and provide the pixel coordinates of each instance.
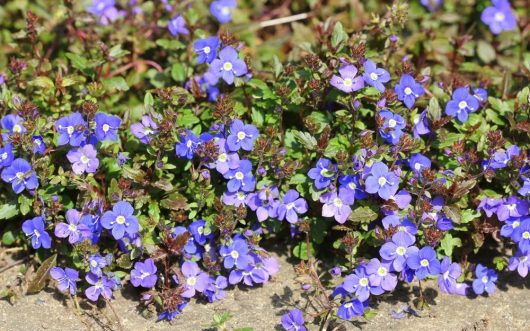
(107, 126)
(72, 129)
(34, 229)
(374, 76)
(188, 142)
(293, 320)
(418, 162)
(351, 308)
(347, 82)
(144, 274)
(521, 235)
(338, 205)
(20, 175)
(431, 5)
(242, 136)
(291, 206)
(323, 173)
(228, 65)
(351, 182)
(408, 90)
(13, 124)
(421, 124)
(424, 263)
(206, 49)
(39, 147)
(222, 10)
(100, 286)
(398, 250)
(6, 155)
(359, 284)
(241, 178)
(521, 262)
(235, 254)
(75, 231)
(462, 104)
(393, 126)
(177, 25)
(96, 263)
(120, 219)
(66, 279)
(485, 281)
(382, 181)
(449, 274)
(499, 17)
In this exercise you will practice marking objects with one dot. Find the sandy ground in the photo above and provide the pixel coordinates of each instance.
(261, 308)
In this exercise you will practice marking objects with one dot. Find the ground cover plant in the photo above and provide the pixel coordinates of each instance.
(159, 144)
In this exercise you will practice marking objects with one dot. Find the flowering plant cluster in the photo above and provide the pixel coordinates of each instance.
(144, 145)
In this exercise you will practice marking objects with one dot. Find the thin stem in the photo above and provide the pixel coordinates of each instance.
(283, 20)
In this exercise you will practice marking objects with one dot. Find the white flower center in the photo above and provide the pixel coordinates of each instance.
(37, 142)
(484, 279)
(206, 50)
(512, 206)
(94, 263)
(17, 128)
(348, 305)
(105, 127)
(4, 155)
(462, 104)
(352, 185)
(234, 254)
(144, 275)
(20, 175)
(227, 66)
(72, 228)
(241, 135)
(417, 166)
(526, 235)
(516, 224)
(290, 206)
(191, 281)
(241, 196)
(373, 76)
(499, 16)
(424, 263)
(408, 91)
(99, 284)
(401, 250)
(225, 10)
(120, 219)
(239, 175)
(200, 230)
(337, 202)
(363, 281)
(392, 123)
(222, 157)
(84, 159)
(70, 129)
(382, 271)
(348, 82)
(382, 181)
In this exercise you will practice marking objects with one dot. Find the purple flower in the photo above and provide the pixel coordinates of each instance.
(421, 124)
(242, 136)
(96, 263)
(408, 90)
(264, 203)
(293, 321)
(349, 182)
(521, 262)
(177, 25)
(359, 284)
(449, 273)
(187, 144)
(146, 130)
(398, 250)
(374, 76)
(380, 274)
(393, 126)
(34, 229)
(480, 94)
(350, 309)
(74, 230)
(72, 129)
(225, 161)
(424, 263)
(521, 235)
(241, 178)
(206, 49)
(235, 254)
(485, 281)
(292, 205)
(524, 190)
(39, 147)
(323, 173)
(337, 205)
(235, 199)
(509, 226)
(499, 17)
(120, 220)
(6, 155)
(228, 65)
(13, 124)
(512, 207)
(347, 82)
(107, 127)
(431, 5)
(381, 181)
(214, 290)
(462, 104)
(105, 10)
(83, 159)
(222, 10)
(66, 279)
(101, 286)
(144, 274)
(20, 175)
(405, 227)
(197, 229)
(489, 206)
(418, 162)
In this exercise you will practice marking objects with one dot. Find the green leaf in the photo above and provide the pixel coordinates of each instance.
(8, 238)
(306, 139)
(485, 51)
(8, 211)
(363, 215)
(43, 82)
(453, 213)
(115, 83)
(434, 111)
(77, 61)
(178, 72)
(300, 251)
(277, 65)
(448, 243)
(149, 101)
(338, 36)
(38, 282)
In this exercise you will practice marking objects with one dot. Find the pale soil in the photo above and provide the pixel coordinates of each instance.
(261, 308)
